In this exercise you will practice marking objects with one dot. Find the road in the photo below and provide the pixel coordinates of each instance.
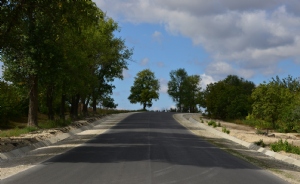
(145, 148)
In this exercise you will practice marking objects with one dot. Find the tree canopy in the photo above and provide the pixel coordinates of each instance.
(145, 89)
(60, 51)
(184, 90)
(229, 98)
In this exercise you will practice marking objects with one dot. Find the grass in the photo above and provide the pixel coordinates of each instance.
(19, 126)
(17, 131)
(285, 146)
(54, 124)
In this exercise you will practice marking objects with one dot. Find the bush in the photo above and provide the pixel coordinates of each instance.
(285, 146)
(225, 130)
(212, 123)
(260, 143)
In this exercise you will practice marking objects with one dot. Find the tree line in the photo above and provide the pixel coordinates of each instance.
(57, 55)
(270, 105)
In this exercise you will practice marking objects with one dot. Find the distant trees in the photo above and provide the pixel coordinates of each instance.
(145, 89)
(184, 90)
(60, 53)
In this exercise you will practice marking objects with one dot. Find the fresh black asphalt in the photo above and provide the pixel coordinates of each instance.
(145, 148)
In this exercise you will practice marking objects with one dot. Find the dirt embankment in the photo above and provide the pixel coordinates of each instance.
(10, 143)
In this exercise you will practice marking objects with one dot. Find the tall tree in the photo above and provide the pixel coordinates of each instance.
(175, 86)
(145, 89)
(191, 90)
(33, 29)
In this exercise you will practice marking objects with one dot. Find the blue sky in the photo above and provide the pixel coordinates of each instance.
(256, 40)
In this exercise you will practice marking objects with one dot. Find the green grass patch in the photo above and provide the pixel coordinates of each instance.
(54, 124)
(285, 146)
(17, 131)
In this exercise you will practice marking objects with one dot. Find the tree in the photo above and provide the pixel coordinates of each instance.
(145, 89)
(229, 98)
(191, 90)
(60, 51)
(33, 29)
(175, 86)
(276, 101)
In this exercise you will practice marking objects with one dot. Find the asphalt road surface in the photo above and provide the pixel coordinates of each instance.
(145, 148)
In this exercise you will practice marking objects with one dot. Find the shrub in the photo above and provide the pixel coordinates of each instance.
(285, 146)
(212, 123)
(225, 130)
(260, 143)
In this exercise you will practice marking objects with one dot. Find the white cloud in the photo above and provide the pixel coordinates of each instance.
(126, 74)
(160, 64)
(157, 36)
(163, 85)
(242, 37)
(144, 62)
(205, 80)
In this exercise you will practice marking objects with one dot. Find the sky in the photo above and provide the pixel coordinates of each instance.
(256, 40)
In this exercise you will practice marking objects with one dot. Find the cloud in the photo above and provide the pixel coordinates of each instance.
(144, 62)
(126, 74)
(163, 85)
(160, 64)
(205, 80)
(157, 36)
(245, 37)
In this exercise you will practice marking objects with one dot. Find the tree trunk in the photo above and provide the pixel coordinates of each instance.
(144, 106)
(85, 103)
(62, 107)
(74, 106)
(50, 102)
(95, 105)
(33, 102)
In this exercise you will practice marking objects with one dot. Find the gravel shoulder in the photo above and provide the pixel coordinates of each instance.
(286, 171)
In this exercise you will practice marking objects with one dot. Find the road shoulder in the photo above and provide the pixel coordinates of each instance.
(286, 171)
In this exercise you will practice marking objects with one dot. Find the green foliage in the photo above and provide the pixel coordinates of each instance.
(12, 104)
(229, 98)
(55, 124)
(260, 143)
(145, 89)
(184, 90)
(58, 50)
(17, 131)
(225, 130)
(285, 146)
(276, 105)
(212, 123)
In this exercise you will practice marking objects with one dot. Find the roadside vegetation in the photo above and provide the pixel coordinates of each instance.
(59, 58)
